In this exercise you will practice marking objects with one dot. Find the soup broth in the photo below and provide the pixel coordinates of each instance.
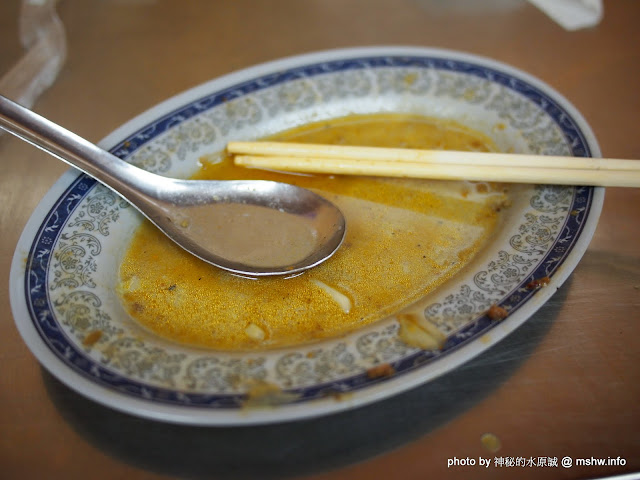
(404, 238)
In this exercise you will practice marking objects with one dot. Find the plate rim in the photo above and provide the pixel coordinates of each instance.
(184, 414)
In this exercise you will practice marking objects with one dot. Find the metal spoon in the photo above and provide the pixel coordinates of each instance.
(249, 227)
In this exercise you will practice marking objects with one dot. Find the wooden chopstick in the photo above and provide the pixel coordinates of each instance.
(436, 164)
(286, 149)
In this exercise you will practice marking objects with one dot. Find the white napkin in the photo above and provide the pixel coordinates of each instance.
(572, 14)
(42, 34)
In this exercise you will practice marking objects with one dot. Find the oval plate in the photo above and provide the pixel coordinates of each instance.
(64, 271)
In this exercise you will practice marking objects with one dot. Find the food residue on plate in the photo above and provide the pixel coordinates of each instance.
(381, 371)
(538, 283)
(497, 312)
(405, 237)
(263, 394)
(416, 331)
(92, 338)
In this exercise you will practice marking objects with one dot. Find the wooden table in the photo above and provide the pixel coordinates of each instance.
(567, 383)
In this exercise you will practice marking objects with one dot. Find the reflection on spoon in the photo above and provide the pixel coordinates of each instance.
(249, 227)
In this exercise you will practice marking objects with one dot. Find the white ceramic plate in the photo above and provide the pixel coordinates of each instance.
(64, 271)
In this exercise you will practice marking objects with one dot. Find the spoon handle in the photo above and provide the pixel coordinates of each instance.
(129, 181)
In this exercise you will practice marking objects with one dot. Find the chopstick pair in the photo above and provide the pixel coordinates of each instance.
(436, 164)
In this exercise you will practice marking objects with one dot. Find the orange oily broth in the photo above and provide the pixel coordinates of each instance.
(404, 238)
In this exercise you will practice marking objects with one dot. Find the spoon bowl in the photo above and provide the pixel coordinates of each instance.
(247, 227)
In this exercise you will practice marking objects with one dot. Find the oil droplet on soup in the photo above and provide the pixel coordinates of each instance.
(405, 237)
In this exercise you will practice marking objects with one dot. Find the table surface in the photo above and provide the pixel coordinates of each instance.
(565, 383)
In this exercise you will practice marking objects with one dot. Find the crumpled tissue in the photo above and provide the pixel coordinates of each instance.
(572, 14)
(42, 35)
